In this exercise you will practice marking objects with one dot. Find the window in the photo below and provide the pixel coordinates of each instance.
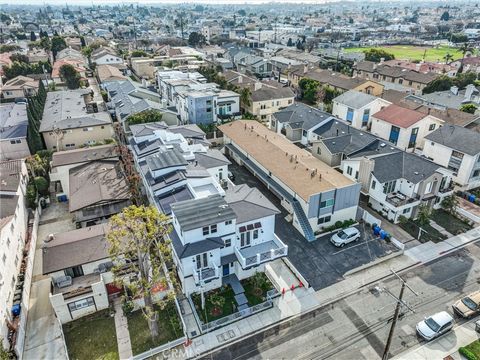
(428, 188)
(17, 141)
(373, 184)
(356, 175)
(400, 81)
(16, 260)
(206, 230)
(227, 242)
(349, 115)
(327, 203)
(410, 83)
(394, 134)
(324, 220)
(304, 133)
(349, 170)
(245, 239)
(213, 228)
(8, 242)
(389, 187)
(88, 129)
(413, 138)
(81, 304)
(431, 127)
(319, 152)
(4, 258)
(228, 222)
(255, 234)
(405, 211)
(263, 117)
(476, 173)
(365, 117)
(290, 101)
(209, 109)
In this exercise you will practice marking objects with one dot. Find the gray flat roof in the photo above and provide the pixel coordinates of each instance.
(197, 213)
(67, 110)
(13, 121)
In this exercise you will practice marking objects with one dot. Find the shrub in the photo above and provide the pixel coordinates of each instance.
(41, 184)
(467, 354)
(127, 307)
(338, 224)
(31, 196)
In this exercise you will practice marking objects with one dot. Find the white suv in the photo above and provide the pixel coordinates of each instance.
(435, 325)
(345, 236)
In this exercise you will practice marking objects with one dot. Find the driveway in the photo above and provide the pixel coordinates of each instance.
(321, 263)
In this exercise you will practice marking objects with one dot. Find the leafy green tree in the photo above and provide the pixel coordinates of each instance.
(41, 184)
(45, 43)
(445, 16)
(439, 84)
(245, 98)
(290, 42)
(146, 116)
(33, 37)
(139, 247)
(309, 90)
(70, 75)
(469, 108)
(217, 301)
(376, 55)
(449, 204)
(8, 48)
(58, 44)
(19, 58)
(196, 39)
(448, 58)
(464, 49)
(139, 53)
(424, 214)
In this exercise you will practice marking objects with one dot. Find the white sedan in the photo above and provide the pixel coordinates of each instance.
(435, 325)
(345, 236)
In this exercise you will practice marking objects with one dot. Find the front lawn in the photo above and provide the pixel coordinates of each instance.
(256, 288)
(449, 222)
(428, 233)
(169, 324)
(92, 337)
(471, 351)
(412, 52)
(214, 311)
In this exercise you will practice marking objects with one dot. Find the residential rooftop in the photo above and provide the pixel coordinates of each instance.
(399, 116)
(296, 168)
(75, 156)
(458, 138)
(13, 121)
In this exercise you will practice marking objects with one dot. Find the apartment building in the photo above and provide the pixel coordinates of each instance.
(316, 194)
(72, 118)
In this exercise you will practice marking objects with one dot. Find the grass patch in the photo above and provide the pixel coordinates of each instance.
(449, 222)
(255, 294)
(428, 233)
(92, 337)
(168, 323)
(411, 52)
(471, 351)
(209, 313)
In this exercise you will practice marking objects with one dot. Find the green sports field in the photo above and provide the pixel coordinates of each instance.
(410, 52)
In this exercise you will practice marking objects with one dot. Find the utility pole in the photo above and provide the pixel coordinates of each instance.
(400, 302)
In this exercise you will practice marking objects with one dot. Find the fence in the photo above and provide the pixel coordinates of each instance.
(213, 325)
(159, 349)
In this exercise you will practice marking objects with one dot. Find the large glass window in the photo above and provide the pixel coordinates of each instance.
(327, 203)
(81, 304)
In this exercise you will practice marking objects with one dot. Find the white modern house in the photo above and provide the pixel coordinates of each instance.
(216, 237)
(106, 56)
(457, 149)
(403, 127)
(13, 235)
(356, 107)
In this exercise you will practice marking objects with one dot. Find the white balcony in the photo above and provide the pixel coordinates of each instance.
(206, 274)
(260, 253)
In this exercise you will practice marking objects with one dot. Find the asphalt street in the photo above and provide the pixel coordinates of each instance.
(356, 327)
(320, 262)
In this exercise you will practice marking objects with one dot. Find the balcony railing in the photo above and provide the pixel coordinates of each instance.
(260, 253)
(206, 274)
(446, 190)
(398, 199)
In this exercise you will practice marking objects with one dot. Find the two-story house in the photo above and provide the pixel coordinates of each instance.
(357, 107)
(216, 237)
(458, 149)
(13, 131)
(403, 127)
(397, 183)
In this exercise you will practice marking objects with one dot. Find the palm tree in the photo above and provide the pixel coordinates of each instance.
(464, 49)
(245, 98)
(448, 58)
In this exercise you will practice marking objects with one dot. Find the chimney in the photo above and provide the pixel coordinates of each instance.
(454, 90)
(382, 60)
(258, 85)
(417, 66)
(375, 66)
(240, 79)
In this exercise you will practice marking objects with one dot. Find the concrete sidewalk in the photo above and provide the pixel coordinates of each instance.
(121, 329)
(445, 345)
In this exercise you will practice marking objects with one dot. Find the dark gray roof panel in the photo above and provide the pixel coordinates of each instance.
(458, 138)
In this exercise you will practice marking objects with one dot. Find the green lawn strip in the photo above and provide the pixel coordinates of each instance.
(229, 307)
(428, 233)
(92, 337)
(449, 222)
(251, 291)
(411, 52)
(471, 351)
(169, 329)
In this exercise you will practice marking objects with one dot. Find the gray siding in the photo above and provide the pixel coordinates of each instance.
(347, 197)
(314, 203)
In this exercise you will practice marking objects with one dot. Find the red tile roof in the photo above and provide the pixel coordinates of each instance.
(399, 116)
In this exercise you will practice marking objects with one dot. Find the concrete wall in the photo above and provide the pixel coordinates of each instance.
(18, 150)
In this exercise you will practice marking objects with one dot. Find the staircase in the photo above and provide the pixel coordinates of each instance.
(302, 219)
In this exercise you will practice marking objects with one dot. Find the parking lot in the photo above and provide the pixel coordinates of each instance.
(320, 262)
